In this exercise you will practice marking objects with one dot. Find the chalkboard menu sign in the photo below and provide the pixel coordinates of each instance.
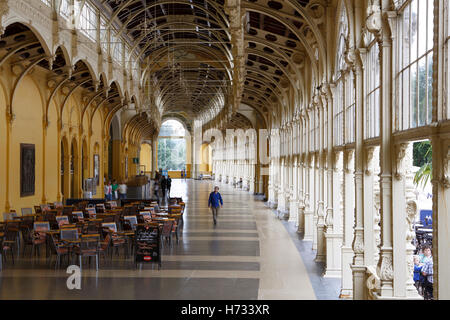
(148, 248)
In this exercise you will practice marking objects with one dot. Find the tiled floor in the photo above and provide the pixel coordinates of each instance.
(250, 254)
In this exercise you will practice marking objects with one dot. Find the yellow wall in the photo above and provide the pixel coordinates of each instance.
(51, 155)
(26, 128)
(206, 165)
(146, 157)
(96, 140)
(29, 109)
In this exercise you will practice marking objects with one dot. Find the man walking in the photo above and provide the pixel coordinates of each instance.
(163, 187)
(169, 185)
(215, 202)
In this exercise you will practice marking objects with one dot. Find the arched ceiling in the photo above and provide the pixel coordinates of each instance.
(200, 58)
(188, 48)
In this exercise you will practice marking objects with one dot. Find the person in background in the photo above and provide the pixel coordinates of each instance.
(108, 191)
(123, 191)
(418, 278)
(426, 254)
(156, 190)
(427, 272)
(169, 185)
(215, 202)
(115, 187)
(163, 186)
(182, 173)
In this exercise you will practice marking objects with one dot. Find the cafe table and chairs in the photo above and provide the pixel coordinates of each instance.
(132, 220)
(90, 213)
(77, 216)
(70, 237)
(88, 247)
(9, 242)
(41, 229)
(62, 220)
(58, 248)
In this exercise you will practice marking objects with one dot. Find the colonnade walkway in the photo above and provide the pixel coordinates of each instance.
(250, 254)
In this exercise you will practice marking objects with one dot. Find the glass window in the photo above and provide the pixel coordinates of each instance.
(338, 114)
(416, 64)
(88, 19)
(350, 102)
(117, 48)
(65, 9)
(47, 2)
(104, 41)
(372, 112)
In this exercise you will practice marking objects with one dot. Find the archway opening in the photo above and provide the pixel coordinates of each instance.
(172, 148)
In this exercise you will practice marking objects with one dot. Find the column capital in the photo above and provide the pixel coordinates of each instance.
(368, 158)
(400, 157)
(348, 159)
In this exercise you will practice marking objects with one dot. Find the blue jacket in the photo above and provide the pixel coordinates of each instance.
(214, 200)
(418, 273)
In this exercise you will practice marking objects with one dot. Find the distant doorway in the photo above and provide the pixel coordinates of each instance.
(172, 146)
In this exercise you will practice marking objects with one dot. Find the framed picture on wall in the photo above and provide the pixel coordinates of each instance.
(27, 169)
(97, 169)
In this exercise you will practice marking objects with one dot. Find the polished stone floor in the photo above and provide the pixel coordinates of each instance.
(249, 255)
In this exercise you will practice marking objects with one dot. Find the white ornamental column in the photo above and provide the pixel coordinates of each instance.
(310, 199)
(301, 196)
(333, 233)
(349, 222)
(333, 227)
(293, 201)
(441, 160)
(281, 209)
(320, 255)
(385, 265)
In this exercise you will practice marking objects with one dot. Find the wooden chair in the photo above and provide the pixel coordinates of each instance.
(44, 207)
(100, 208)
(69, 234)
(67, 210)
(176, 226)
(10, 242)
(58, 205)
(77, 216)
(50, 216)
(34, 239)
(59, 249)
(105, 244)
(132, 220)
(27, 212)
(166, 232)
(89, 247)
(62, 220)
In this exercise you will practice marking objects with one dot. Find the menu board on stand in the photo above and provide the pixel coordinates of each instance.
(148, 246)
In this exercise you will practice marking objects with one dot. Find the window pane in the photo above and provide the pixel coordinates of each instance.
(430, 88)
(172, 154)
(422, 27)
(413, 31)
(413, 88)
(422, 91)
